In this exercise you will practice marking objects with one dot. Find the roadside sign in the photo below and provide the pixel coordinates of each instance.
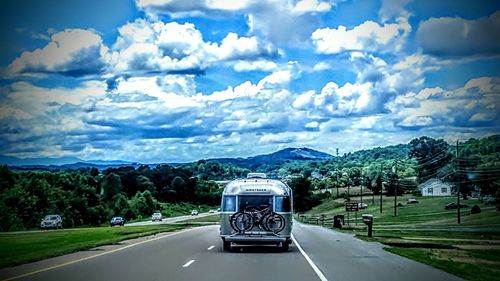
(351, 207)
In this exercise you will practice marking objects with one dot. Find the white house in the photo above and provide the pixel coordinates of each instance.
(435, 187)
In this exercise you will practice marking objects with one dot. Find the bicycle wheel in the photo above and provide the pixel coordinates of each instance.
(274, 222)
(243, 222)
(232, 220)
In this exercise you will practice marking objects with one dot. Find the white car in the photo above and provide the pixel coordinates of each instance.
(194, 213)
(211, 211)
(156, 217)
(362, 205)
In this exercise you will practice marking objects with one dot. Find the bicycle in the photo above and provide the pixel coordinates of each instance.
(265, 219)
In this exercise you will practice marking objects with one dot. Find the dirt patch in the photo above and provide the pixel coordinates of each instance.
(478, 247)
(461, 257)
(419, 245)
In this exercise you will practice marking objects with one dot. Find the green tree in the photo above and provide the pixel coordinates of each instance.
(431, 155)
(144, 183)
(302, 195)
(111, 185)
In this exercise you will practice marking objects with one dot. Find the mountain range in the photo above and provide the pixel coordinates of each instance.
(65, 163)
(276, 158)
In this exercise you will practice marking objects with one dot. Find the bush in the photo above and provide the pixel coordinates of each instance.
(475, 210)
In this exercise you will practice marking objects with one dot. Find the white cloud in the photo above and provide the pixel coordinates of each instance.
(72, 51)
(456, 36)
(173, 47)
(368, 37)
(393, 9)
(233, 47)
(36, 100)
(147, 46)
(476, 101)
(262, 65)
(287, 21)
(350, 99)
(428, 93)
(419, 121)
(320, 66)
(312, 125)
(278, 138)
(307, 6)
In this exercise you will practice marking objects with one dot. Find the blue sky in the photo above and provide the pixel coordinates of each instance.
(182, 80)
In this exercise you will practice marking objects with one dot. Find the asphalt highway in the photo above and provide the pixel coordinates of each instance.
(196, 254)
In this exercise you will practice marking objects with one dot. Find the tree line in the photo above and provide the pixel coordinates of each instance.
(91, 197)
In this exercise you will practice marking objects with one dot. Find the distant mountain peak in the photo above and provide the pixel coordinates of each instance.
(277, 158)
(302, 153)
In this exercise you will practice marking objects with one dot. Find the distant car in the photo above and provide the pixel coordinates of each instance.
(454, 206)
(218, 210)
(156, 217)
(487, 200)
(117, 221)
(362, 205)
(412, 201)
(194, 213)
(51, 221)
(211, 211)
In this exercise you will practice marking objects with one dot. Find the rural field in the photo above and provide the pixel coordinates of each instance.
(23, 247)
(428, 233)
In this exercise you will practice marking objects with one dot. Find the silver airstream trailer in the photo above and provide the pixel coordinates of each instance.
(256, 210)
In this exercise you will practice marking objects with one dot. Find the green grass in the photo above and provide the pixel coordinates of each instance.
(429, 210)
(19, 248)
(489, 255)
(465, 264)
(428, 222)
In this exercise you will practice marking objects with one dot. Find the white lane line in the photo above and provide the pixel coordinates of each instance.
(311, 263)
(188, 263)
(211, 247)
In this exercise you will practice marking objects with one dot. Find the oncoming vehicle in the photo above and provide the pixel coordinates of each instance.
(450, 206)
(117, 221)
(51, 221)
(156, 217)
(256, 210)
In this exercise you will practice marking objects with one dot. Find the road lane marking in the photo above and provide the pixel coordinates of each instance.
(188, 263)
(311, 263)
(211, 247)
(94, 256)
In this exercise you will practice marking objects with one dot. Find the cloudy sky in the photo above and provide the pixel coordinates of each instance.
(181, 80)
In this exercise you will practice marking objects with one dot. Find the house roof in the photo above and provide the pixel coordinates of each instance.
(433, 183)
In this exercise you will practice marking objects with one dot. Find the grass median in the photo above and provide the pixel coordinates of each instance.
(24, 247)
(428, 233)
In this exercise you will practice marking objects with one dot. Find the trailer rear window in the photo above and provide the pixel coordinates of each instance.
(282, 204)
(258, 203)
(229, 204)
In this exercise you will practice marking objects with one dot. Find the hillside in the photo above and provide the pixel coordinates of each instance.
(275, 159)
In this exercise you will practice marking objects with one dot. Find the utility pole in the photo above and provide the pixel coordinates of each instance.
(395, 170)
(337, 175)
(373, 193)
(458, 185)
(362, 186)
(381, 187)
